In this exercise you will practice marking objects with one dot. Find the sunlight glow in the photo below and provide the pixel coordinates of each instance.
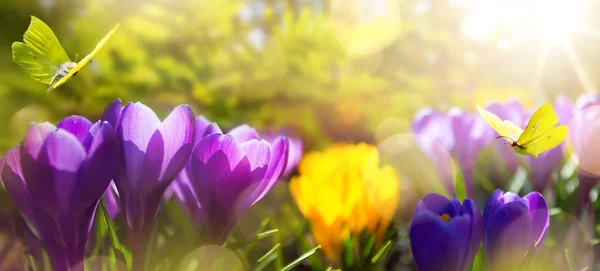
(555, 20)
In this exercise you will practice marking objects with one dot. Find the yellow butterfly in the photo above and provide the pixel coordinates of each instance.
(539, 136)
(41, 55)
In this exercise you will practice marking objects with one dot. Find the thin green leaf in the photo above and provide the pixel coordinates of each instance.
(113, 234)
(264, 263)
(268, 253)
(301, 259)
(381, 252)
(554, 211)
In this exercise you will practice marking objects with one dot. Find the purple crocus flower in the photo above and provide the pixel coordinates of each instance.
(463, 134)
(543, 165)
(586, 100)
(152, 154)
(56, 178)
(583, 141)
(445, 235)
(230, 172)
(514, 226)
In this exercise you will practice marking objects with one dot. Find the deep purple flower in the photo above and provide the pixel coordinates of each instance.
(230, 172)
(152, 154)
(56, 178)
(445, 235)
(513, 226)
(463, 135)
(543, 165)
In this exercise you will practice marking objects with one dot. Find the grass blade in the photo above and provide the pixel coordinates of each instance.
(381, 252)
(301, 259)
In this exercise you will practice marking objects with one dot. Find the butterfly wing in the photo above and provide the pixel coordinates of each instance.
(87, 58)
(506, 129)
(550, 139)
(41, 39)
(40, 54)
(540, 123)
(39, 68)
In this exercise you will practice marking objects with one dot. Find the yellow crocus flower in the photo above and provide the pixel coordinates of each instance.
(344, 190)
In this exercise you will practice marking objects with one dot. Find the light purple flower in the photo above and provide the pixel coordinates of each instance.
(542, 166)
(513, 226)
(152, 154)
(513, 111)
(296, 152)
(56, 178)
(230, 172)
(463, 134)
(583, 140)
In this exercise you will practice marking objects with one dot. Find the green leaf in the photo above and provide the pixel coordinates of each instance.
(104, 218)
(301, 259)
(381, 252)
(479, 262)
(348, 254)
(269, 253)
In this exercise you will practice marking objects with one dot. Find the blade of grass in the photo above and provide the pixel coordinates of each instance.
(301, 259)
(266, 262)
(381, 252)
(268, 253)
(569, 260)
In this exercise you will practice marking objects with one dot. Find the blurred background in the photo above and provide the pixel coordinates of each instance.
(324, 71)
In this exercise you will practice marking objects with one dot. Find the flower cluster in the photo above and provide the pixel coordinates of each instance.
(58, 174)
(464, 135)
(344, 191)
(446, 235)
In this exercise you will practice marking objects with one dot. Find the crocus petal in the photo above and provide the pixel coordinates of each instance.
(279, 158)
(476, 231)
(492, 204)
(213, 143)
(431, 237)
(12, 179)
(100, 164)
(507, 234)
(76, 125)
(112, 113)
(64, 154)
(539, 216)
(432, 202)
(138, 124)
(35, 137)
(204, 127)
(177, 131)
(244, 133)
